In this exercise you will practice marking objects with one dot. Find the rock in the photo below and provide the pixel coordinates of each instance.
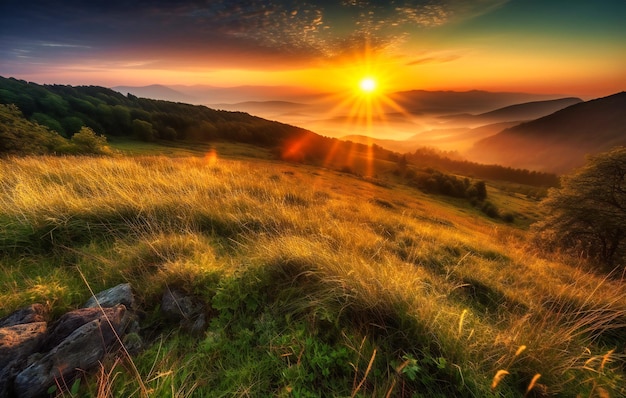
(178, 307)
(199, 325)
(19, 341)
(81, 349)
(71, 321)
(133, 343)
(120, 294)
(184, 309)
(7, 374)
(32, 313)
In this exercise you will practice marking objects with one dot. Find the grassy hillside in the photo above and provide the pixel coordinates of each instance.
(319, 283)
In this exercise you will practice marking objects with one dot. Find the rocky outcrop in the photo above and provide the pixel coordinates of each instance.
(36, 355)
(32, 313)
(120, 294)
(82, 349)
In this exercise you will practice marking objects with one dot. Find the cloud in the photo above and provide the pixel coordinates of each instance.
(434, 59)
(247, 34)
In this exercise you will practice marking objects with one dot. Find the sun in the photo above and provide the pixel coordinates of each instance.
(367, 85)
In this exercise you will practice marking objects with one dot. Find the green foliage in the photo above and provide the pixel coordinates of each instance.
(87, 141)
(477, 190)
(434, 181)
(48, 121)
(18, 135)
(450, 162)
(489, 209)
(108, 112)
(588, 214)
(72, 125)
(143, 130)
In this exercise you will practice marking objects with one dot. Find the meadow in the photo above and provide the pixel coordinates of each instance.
(318, 282)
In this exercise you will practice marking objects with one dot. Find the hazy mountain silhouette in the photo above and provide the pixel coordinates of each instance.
(268, 109)
(560, 141)
(156, 91)
(518, 112)
(207, 94)
(458, 138)
(475, 101)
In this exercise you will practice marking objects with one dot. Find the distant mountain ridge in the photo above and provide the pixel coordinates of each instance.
(156, 91)
(531, 110)
(445, 139)
(474, 101)
(207, 94)
(518, 112)
(560, 141)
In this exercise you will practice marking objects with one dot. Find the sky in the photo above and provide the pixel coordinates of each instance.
(541, 46)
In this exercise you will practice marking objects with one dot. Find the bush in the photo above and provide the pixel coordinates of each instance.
(490, 210)
(143, 130)
(508, 217)
(87, 141)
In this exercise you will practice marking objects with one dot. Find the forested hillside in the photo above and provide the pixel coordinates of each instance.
(66, 109)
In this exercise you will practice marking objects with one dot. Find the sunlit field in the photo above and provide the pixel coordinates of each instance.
(319, 283)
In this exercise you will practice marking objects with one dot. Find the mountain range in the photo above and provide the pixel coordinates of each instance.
(558, 142)
(518, 112)
(551, 135)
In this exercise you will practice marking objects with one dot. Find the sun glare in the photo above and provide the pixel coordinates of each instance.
(367, 84)
(364, 104)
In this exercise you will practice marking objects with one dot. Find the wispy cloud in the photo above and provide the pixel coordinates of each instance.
(288, 31)
(64, 45)
(434, 59)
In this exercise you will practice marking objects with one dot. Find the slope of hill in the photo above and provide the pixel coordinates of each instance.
(312, 282)
(560, 141)
(449, 102)
(514, 113)
(65, 109)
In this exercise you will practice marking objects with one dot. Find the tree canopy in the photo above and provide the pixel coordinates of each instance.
(19, 136)
(588, 213)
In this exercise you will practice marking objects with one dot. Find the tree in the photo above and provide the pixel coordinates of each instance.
(588, 213)
(87, 141)
(21, 136)
(143, 130)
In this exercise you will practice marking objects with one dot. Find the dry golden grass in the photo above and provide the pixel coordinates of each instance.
(474, 288)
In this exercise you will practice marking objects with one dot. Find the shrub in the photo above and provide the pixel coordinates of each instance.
(490, 209)
(87, 141)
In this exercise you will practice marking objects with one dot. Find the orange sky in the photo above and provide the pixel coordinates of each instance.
(560, 47)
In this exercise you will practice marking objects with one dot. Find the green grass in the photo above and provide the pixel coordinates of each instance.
(317, 282)
(127, 146)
